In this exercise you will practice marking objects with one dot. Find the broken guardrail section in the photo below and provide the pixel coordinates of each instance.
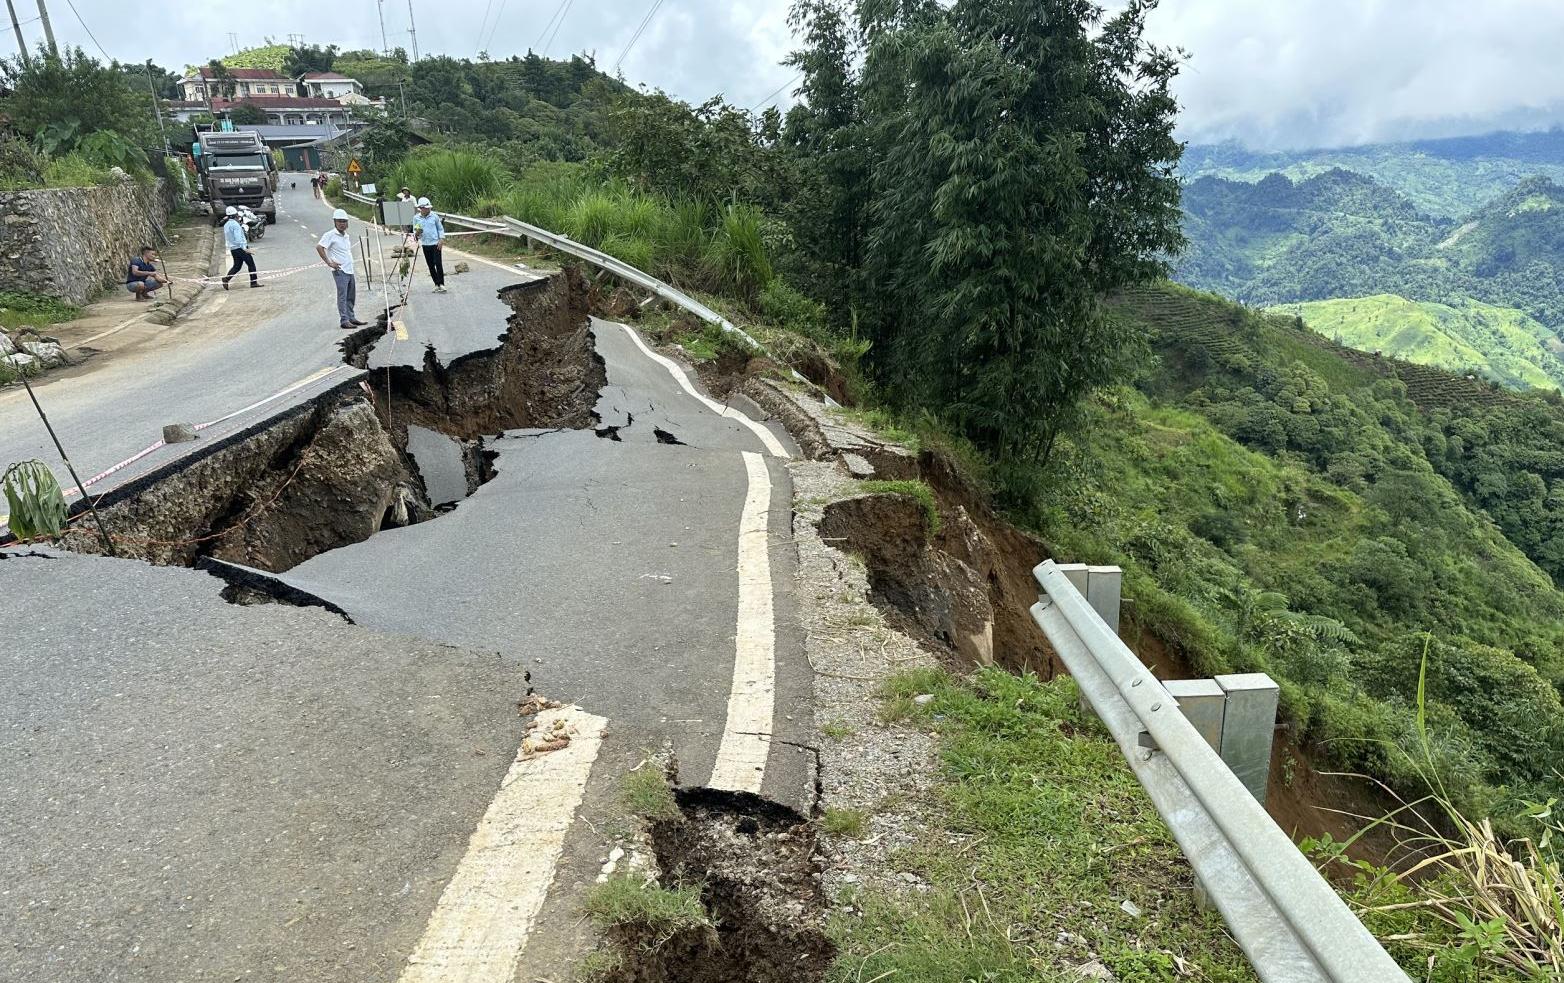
(1290, 923)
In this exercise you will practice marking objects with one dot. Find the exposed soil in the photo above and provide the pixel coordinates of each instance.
(966, 590)
(336, 471)
(756, 866)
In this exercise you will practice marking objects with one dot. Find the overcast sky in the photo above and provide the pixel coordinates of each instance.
(1271, 73)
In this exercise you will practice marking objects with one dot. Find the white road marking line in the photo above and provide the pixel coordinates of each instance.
(760, 430)
(741, 758)
(104, 334)
(480, 927)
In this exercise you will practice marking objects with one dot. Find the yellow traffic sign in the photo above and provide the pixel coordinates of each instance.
(353, 167)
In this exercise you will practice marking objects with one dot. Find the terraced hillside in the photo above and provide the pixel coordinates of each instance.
(1466, 336)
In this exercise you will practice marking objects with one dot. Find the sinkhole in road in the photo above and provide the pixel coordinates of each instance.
(756, 866)
(389, 449)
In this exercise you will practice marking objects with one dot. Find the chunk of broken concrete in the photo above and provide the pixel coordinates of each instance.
(21, 362)
(7, 346)
(178, 433)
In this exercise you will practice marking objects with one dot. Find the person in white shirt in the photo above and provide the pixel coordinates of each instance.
(336, 250)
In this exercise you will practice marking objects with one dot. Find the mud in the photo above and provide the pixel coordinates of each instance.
(758, 871)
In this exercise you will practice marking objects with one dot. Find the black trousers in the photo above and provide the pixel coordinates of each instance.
(241, 257)
(436, 264)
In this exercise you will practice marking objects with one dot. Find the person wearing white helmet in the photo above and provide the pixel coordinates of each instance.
(336, 251)
(430, 233)
(238, 247)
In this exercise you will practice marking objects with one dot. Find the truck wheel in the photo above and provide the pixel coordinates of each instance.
(271, 218)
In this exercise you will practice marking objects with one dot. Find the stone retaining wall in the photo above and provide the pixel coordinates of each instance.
(75, 242)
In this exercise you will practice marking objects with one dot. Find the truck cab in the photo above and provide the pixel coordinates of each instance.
(237, 169)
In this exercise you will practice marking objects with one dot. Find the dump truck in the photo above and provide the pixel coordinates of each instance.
(237, 169)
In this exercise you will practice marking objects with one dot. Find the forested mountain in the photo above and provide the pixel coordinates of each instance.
(1442, 177)
(1284, 504)
(1463, 294)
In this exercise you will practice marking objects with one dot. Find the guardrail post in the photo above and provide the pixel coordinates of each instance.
(1248, 725)
(1203, 704)
(1103, 585)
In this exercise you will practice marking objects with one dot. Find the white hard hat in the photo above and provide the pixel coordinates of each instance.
(424, 203)
(340, 214)
(230, 210)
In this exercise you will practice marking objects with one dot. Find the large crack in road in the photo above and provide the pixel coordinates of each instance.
(471, 501)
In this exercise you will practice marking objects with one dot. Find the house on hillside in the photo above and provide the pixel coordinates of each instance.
(330, 85)
(201, 84)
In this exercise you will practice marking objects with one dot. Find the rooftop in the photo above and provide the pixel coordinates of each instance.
(247, 73)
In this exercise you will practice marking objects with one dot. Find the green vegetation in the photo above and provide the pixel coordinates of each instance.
(1258, 469)
(849, 823)
(661, 911)
(34, 499)
(1441, 177)
(837, 730)
(1497, 342)
(1037, 833)
(912, 488)
(646, 793)
(68, 119)
(19, 307)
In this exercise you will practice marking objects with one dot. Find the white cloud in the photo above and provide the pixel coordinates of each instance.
(1269, 72)
(1321, 72)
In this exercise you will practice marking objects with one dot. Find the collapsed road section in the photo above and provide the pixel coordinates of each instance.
(340, 468)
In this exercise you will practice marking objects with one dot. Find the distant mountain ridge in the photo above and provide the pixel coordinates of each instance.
(1445, 178)
(1476, 288)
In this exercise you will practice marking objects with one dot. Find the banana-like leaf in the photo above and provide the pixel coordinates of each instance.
(35, 500)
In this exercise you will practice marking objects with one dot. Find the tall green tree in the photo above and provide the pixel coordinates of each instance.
(826, 131)
(1023, 167)
(61, 101)
(309, 58)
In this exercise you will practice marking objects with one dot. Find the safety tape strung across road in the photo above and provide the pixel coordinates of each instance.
(315, 377)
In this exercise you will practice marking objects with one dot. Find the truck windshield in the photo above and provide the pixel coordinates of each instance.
(245, 162)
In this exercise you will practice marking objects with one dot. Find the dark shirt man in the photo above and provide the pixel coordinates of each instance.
(142, 277)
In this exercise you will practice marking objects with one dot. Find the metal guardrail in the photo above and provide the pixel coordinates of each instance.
(517, 229)
(1290, 923)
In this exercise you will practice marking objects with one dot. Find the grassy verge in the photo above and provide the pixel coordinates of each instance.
(1038, 837)
(18, 308)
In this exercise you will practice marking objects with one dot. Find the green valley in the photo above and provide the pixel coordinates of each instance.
(1464, 336)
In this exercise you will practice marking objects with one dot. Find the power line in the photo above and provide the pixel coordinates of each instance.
(484, 23)
(777, 92)
(494, 27)
(84, 27)
(558, 13)
(638, 32)
(561, 23)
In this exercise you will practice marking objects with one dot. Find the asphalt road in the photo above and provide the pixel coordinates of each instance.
(194, 790)
(607, 567)
(233, 350)
(191, 790)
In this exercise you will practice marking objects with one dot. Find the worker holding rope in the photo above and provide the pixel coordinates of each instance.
(238, 247)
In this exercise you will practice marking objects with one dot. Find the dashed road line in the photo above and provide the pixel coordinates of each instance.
(481, 924)
(741, 758)
(760, 430)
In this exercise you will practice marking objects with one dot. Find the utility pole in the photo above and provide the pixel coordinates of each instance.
(48, 32)
(412, 28)
(233, 39)
(380, 8)
(21, 43)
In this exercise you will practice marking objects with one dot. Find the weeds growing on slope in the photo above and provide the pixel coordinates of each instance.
(1457, 900)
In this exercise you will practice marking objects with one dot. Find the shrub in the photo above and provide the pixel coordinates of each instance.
(452, 179)
(790, 309)
(736, 257)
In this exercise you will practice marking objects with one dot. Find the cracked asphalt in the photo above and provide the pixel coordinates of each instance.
(194, 790)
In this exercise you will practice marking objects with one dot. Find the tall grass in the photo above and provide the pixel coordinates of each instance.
(1458, 898)
(452, 179)
(737, 257)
